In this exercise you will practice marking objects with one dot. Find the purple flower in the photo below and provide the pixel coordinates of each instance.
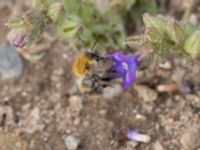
(18, 41)
(125, 67)
(185, 89)
(135, 136)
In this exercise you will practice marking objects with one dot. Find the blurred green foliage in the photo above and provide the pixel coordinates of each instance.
(85, 23)
(81, 21)
(166, 34)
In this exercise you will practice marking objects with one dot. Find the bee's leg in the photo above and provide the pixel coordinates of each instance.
(93, 84)
(87, 85)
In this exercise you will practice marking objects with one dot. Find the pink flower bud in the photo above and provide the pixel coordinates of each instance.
(17, 38)
(18, 41)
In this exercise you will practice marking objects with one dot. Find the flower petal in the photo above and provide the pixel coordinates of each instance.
(119, 56)
(126, 84)
(135, 136)
(118, 67)
(130, 77)
(132, 64)
(119, 71)
(110, 56)
(120, 75)
(132, 67)
(132, 59)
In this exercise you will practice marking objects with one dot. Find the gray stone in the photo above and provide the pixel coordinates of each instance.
(72, 142)
(130, 145)
(11, 65)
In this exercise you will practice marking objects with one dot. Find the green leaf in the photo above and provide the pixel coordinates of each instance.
(188, 27)
(68, 29)
(175, 32)
(192, 44)
(159, 23)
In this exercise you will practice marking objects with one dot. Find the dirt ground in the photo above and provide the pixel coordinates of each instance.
(42, 107)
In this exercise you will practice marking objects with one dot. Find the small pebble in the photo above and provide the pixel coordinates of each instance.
(158, 146)
(32, 122)
(140, 117)
(146, 94)
(131, 145)
(190, 138)
(111, 92)
(35, 114)
(72, 142)
(167, 65)
(75, 105)
(178, 75)
(171, 87)
(11, 65)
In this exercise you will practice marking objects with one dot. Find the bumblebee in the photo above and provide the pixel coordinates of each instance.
(92, 72)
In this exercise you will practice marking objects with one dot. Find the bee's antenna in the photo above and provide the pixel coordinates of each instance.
(93, 46)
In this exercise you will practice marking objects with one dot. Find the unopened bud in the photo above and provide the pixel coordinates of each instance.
(27, 29)
(135, 41)
(21, 37)
(18, 41)
(152, 35)
(40, 5)
(56, 12)
(17, 38)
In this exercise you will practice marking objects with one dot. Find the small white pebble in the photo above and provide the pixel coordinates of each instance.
(161, 88)
(111, 92)
(65, 56)
(167, 65)
(167, 87)
(72, 142)
(140, 117)
(143, 138)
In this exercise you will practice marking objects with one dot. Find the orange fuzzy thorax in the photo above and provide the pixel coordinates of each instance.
(80, 66)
